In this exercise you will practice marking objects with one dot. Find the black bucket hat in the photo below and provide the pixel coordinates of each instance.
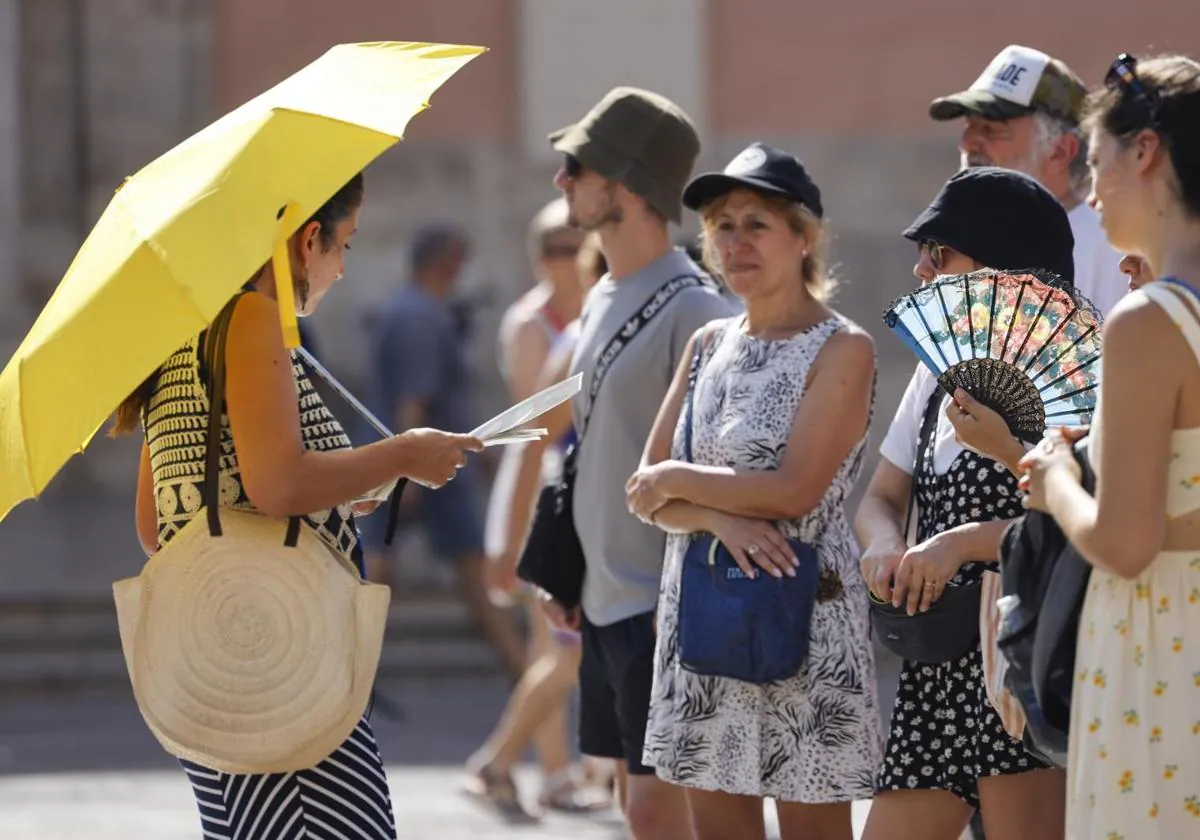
(1001, 218)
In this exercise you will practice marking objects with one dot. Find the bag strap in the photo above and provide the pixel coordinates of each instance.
(693, 375)
(214, 355)
(623, 337)
(924, 440)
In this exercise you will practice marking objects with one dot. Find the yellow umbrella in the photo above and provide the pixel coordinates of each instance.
(180, 237)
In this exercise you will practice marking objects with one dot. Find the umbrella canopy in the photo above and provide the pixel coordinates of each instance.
(184, 233)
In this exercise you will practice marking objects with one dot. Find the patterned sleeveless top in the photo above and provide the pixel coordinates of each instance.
(175, 425)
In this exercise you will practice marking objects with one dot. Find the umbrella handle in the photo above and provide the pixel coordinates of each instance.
(345, 394)
(281, 264)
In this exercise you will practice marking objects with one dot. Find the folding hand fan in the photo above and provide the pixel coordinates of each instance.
(1016, 342)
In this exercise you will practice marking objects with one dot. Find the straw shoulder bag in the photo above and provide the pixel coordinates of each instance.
(251, 645)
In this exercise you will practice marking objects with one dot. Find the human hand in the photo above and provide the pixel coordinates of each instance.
(433, 456)
(561, 618)
(879, 564)
(364, 508)
(924, 573)
(646, 490)
(1051, 455)
(755, 543)
(982, 430)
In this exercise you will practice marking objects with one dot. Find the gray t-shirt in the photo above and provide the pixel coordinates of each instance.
(625, 557)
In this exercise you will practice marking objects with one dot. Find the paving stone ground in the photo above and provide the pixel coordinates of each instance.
(85, 768)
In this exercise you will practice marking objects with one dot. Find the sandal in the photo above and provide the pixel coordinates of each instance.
(499, 791)
(560, 792)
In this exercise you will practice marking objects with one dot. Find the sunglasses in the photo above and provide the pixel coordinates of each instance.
(936, 252)
(1122, 76)
(572, 167)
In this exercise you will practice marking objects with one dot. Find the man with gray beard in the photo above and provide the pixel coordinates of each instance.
(1023, 113)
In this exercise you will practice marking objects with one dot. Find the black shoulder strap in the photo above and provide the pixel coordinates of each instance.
(642, 316)
(924, 441)
(214, 355)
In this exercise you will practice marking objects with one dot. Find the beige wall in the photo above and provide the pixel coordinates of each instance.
(258, 43)
(832, 68)
(572, 52)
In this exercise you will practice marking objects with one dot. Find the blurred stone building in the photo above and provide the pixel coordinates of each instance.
(90, 90)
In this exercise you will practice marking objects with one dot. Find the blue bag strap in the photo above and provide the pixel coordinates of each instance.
(693, 374)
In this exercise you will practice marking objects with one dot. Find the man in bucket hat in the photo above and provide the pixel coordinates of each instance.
(1023, 113)
(624, 168)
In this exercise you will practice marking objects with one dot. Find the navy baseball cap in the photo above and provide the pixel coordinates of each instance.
(761, 168)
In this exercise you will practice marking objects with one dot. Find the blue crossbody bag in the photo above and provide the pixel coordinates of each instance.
(730, 625)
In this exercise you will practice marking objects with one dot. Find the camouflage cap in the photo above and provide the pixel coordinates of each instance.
(1019, 81)
(639, 138)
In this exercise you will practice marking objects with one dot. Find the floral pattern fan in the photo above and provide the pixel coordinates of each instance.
(1017, 342)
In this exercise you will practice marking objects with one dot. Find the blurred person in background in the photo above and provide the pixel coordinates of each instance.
(1023, 113)
(421, 376)
(537, 708)
(540, 462)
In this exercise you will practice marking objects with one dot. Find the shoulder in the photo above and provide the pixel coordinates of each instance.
(850, 349)
(255, 312)
(1138, 317)
(705, 298)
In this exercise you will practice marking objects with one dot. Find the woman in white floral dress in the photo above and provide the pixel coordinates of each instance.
(782, 405)
(1134, 764)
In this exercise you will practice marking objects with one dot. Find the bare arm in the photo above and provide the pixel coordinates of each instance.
(880, 517)
(1121, 529)
(830, 420)
(281, 477)
(525, 352)
(146, 511)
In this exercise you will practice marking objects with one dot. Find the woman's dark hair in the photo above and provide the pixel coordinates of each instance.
(128, 416)
(1161, 94)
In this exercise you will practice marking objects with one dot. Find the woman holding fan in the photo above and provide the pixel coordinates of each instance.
(948, 752)
(1134, 763)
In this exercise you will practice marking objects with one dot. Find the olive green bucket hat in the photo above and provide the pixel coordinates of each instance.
(639, 138)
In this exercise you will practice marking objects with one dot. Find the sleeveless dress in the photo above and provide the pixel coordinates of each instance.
(812, 738)
(346, 795)
(945, 734)
(1133, 771)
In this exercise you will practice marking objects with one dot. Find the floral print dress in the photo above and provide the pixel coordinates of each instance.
(1134, 766)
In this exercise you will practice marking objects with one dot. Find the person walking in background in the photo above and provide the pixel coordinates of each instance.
(1023, 113)
(537, 708)
(768, 449)
(421, 376)
(1134, 754)
(624, 168)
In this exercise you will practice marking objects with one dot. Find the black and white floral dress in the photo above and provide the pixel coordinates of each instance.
(945, 733)
(813, 738)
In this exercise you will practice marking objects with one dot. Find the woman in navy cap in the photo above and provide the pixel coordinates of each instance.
(948, 753)
(781, 407)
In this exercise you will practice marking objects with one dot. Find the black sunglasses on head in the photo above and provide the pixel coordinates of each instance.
(1122, 75)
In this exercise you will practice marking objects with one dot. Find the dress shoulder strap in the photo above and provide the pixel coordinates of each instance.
(1182, 303)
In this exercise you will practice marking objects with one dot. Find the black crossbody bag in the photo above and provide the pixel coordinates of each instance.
(552, 559)
(950, 627)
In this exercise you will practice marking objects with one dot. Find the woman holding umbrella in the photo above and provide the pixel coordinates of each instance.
(283, 455)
